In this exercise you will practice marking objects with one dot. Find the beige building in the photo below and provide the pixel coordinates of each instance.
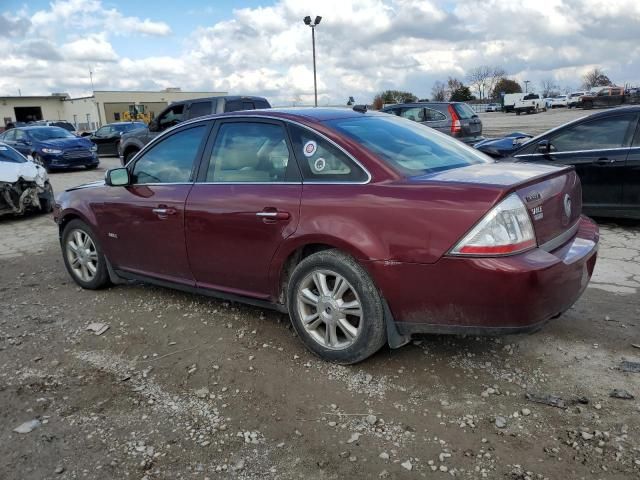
(88, 113)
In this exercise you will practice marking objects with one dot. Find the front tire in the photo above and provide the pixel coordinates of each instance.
(83, 256)
(335, 308)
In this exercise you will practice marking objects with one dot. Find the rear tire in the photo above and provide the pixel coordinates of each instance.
(83, 256)
(335, 308)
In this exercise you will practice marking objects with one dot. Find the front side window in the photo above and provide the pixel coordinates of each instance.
(411, 148)
(9, 136)
(595, 135)
(10, 155)
(171, 117)
(249, 152)
(171, 159)
(321, 161)
(433, 115)
(413, 113)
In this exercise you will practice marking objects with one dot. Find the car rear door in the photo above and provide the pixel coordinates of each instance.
(245, 203)
(143, 223)
(598, 150)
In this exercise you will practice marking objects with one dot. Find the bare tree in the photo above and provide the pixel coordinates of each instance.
(497, 74)
(439, 92)
(453, 84)
(595, 78)
(548, 87)
(481, 79)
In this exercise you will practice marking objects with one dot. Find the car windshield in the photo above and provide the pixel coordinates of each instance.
(10, 155)
(412, 148)
(49, 133)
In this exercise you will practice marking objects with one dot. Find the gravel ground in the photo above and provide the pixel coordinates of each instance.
(182, 386)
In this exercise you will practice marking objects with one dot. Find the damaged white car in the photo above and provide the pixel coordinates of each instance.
(24, 185)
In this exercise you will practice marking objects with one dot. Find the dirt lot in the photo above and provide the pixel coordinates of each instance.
(182, 386)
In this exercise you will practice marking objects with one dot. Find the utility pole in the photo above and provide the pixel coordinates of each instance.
(316, 22)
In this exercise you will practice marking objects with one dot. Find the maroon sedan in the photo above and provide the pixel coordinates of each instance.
(364, 227)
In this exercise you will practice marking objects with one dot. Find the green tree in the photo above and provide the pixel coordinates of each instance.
(462, 94)
(505, 85)
(392, 96)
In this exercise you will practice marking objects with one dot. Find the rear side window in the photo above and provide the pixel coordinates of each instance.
(199, 109)
(171, 159)
(611, 132)
(171, 117)
(411, 148)
(249, 152)
(261, 104)
(413, 113)
(464, 111)
(321, 161)
(433, 115)
(233, 106)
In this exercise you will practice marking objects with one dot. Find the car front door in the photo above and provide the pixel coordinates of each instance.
(631, 187)
(103, 138)
(245, 203)
(143, 223)
(598, 150)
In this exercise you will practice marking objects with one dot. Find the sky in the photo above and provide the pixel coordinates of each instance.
(259, 47)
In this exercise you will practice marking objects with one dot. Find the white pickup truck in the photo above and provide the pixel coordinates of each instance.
(530, 103)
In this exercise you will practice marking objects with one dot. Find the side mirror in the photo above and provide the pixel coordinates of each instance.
(544, 147)
(154, 126)
(117, 177)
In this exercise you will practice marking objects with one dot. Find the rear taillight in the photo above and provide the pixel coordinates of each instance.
(505, 230)
(455, 120)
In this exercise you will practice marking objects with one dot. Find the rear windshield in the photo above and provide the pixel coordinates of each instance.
(65, 125)
(464, 111)
(9, 155)
(411, 148)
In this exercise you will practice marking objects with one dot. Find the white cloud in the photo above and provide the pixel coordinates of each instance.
(363, 46)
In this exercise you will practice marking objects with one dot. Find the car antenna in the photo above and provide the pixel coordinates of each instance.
(360, 108)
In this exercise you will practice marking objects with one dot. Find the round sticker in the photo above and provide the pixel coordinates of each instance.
(309, 148)
(319, 164)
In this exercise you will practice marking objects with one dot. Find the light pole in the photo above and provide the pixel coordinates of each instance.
(526, 85)
(313, 25)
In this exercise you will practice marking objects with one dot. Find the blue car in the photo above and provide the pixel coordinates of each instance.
(52, 147)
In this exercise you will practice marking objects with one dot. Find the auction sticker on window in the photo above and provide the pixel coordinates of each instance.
(310, 148)
(319, 164)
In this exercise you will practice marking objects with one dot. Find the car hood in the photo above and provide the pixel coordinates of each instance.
(12, 172)
(63, 143)
(500, 174)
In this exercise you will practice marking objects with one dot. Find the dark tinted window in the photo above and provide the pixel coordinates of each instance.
(65, 125)
(199, 109)
(171, 117)
(171, 159)
(233, 106)
(321, 161)
(433, 116)
(260, 104)
(249, 152)
(248, 105)
(608, 132)
(9, 155)
(411, 148)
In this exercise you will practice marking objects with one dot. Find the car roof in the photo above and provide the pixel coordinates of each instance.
(33, 127)
(123, 123)
(226, 97)
(418, 104)
(319, 114)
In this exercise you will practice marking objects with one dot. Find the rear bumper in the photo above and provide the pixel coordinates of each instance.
(511, 294)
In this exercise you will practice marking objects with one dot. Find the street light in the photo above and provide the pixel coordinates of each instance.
(316, 22)
(526, 85)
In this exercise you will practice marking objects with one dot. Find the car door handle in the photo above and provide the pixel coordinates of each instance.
(163, 211)
(604, 161)
(273, 215)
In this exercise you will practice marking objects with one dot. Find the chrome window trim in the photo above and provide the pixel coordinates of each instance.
(574, 151)
(284, 120)
(561, 239)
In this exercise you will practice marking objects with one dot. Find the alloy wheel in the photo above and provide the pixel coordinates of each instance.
(330, 309)
(82, 255)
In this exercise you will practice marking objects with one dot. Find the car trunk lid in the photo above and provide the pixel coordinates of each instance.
(552, 195)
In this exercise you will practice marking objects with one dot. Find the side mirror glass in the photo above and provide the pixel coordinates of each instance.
(117, 177)
(544, 147)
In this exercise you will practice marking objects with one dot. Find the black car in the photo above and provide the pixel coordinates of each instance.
(108, 136)
(604, 148)
(453, 118)
(131, 143)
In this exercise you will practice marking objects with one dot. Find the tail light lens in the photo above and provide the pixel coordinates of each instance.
(505, 230)
(455, 120)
